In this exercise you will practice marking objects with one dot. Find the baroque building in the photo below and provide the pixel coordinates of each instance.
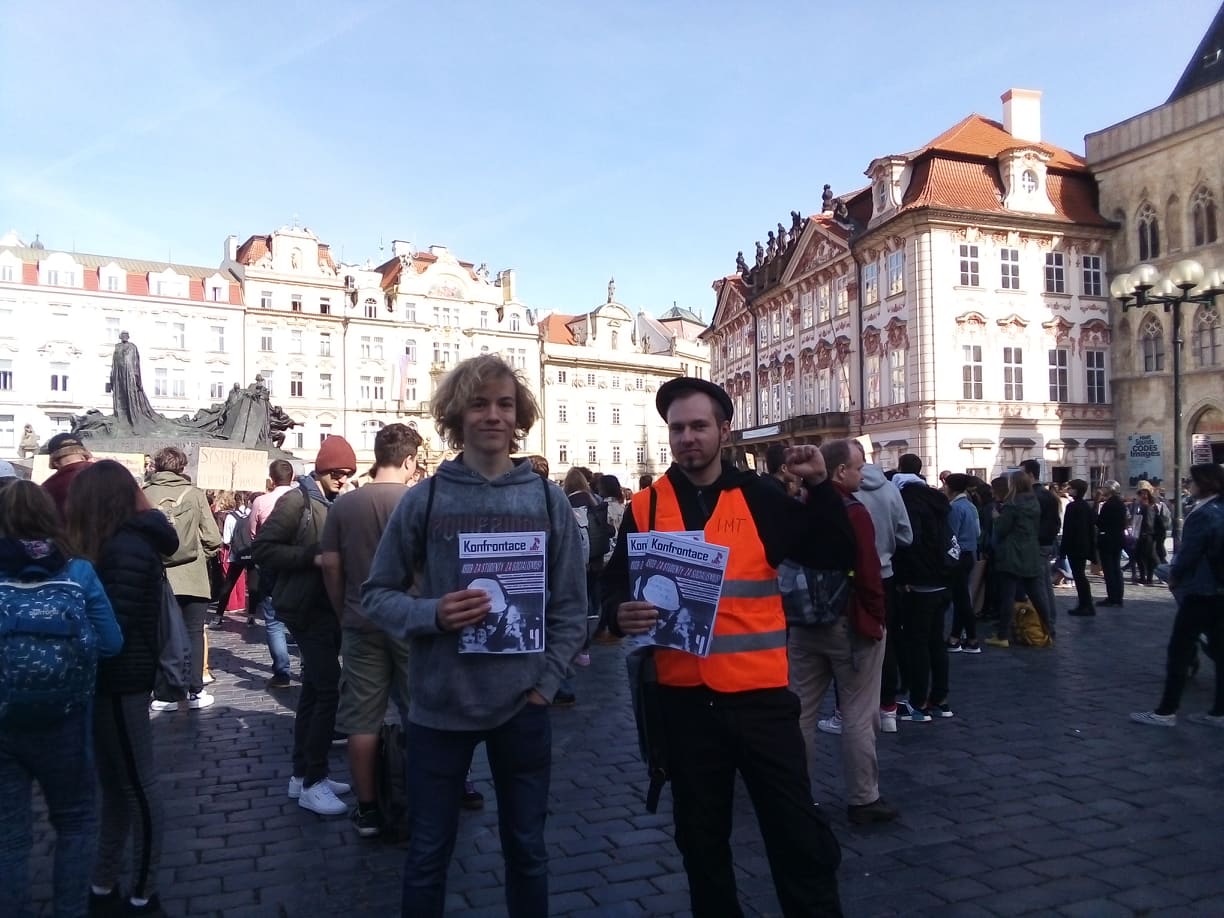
(1161, 179)
(956, 308)
(601, 370)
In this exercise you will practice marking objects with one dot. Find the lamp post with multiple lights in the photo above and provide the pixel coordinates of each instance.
(1186, 282)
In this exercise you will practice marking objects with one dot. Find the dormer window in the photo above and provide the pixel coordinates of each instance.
(1023, 172)
(881, 196)
(1028, 181)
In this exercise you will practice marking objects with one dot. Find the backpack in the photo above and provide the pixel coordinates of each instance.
(1028, 628)
(813, 597)
(931, 559)
(600, 533)
(48, 651)
(648, 716)
(392, 782)
(173, 677)
(241, 542)
(182, 515)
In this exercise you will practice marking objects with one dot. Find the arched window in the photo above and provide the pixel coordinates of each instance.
(369, 430)
(1149, 233)
(1151, 342)
(1207, 336)
(615, 339)
(1203, 213)
(514, 321)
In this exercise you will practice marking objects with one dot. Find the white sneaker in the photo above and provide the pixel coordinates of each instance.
(1153, 719)
(202, 700)
(319, 798)
(337, 787)
(164, 706)
(831, 725)
(888, 721)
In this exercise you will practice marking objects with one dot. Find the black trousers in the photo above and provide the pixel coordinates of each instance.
(894, 673)
(1083, 592)
(195, 611)
(712, 735)
(318, 643)
(1111, 570)
(925, 650)
(962, 602)
(232, 573)
(1195, 615)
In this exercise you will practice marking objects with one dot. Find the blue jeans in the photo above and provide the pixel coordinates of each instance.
(520, 757)
(60, 758)
(277, 645)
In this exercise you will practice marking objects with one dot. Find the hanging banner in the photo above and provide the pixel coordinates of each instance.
(1144, 458)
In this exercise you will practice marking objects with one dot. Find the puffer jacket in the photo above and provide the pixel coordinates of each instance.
(285, 549)
(188, 580)
(130, 568)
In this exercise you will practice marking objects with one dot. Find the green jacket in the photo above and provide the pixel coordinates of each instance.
(189, 579)
(1015, 537)
(285, 550)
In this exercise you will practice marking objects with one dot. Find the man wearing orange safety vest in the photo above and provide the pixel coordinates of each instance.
(731, 710)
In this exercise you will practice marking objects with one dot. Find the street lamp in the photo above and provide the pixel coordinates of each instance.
(1187, 282)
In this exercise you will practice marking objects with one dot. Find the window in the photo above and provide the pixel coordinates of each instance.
(1059, 391)
(265, 339)
(591, 414)
(298, 439)
(562, 413)
(7, 274)
(762, 333)
(53, 277)
(484, 318)
(366, 347)
(970, 266)
(161, 383)
(1013, 374)
(641, 455)
(6, 376)
(807, 301)
(1092, 275)
(324, 344)
(788, 321)
(1055, 273)
(218, 337)
(113, 329)
(514, 321)
(1207, 337)
(112, 286)
(790, 398)
(369, 430)
(841, 295)
(410, 350)
(1009, 269)
(823, 300)
(1151, 342)
(824, 389)
(325, 385)
(265, 299)
(1094, 361)
(616, 416)
(371, 308)
(8, 431)
(664, 455)
(971, 371)
(178, 335)
(615, 340)
(592, 454)
(897, 381)
(764, 405)
(563, 453)
(590, 379)
(325, 431)
(267, 375)
(295, 341)
(364, 387)
(410, 389)
(376, 348)
(59, 378)
(896, 273)
(873, 380)
(871, 283)
(843, 387)
(775, 325)
(380, 387)
(639, 384)
(295, 302)
(881, 196)
(178, 383)
(616, 454)
(562, 377)
(296, 384)
(1203, 213)
(325, 305)
(1149, 233)
(216, 386)
(410, 312)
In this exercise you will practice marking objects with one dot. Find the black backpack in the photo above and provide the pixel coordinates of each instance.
(601, 534)
(392, 781)
(935, 552)
(241, 542)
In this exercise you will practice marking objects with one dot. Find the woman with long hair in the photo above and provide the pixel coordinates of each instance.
(1017, 556)
(35, 745)
(1196, 578)
(125, 538)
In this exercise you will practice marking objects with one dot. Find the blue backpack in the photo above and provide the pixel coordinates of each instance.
(48, 651)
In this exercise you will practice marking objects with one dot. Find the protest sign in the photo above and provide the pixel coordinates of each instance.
(510, 568)
(682, 577)
(231, 469)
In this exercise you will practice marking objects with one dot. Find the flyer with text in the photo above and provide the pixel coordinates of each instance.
(510, 567)
(681, 576)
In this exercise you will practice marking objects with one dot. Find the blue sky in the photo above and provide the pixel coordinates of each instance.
(571, 141)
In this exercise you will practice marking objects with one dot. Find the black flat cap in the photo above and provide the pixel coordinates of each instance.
(686, 385)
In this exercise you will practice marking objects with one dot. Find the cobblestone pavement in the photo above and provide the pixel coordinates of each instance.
(1037, 797)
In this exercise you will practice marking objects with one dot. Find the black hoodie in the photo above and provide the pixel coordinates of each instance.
(131, 570)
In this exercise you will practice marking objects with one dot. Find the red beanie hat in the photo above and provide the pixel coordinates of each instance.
(335, 453)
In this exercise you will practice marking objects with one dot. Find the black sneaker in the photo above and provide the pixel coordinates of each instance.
(472, 799)
(151, 909)
(865, 813)
(564, 700)
(112, 905)
(367, 822)
(278, 682)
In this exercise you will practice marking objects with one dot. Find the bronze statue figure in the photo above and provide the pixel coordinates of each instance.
(740, 265)
(796, 223)
(132, 409)
(760, 254)
(826, 200)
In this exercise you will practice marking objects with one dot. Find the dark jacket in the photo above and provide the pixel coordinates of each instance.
(1015, 533)
(1112, 520)
(130, 568)
(285, 548)
(1197, 566)
(1051, 513)
(1079, 530)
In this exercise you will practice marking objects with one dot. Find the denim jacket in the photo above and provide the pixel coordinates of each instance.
(1191, 573)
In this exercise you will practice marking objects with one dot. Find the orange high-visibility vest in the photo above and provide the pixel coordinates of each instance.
(748, 649)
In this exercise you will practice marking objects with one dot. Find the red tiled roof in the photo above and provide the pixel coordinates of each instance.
(975, 135)
(325, 259)
(253, 250)
(555, 329)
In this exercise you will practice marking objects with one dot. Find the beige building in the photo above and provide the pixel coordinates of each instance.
(955, 308)
(1161, 178)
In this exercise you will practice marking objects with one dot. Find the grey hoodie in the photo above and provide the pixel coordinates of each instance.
(888, 515)
(451, 691)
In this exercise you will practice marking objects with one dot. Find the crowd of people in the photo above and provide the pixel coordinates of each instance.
(840, 575)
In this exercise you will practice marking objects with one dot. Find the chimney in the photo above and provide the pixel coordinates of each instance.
(400, 248)
(231, 248)
(1022, 114)
(438, 250)
(505, 280)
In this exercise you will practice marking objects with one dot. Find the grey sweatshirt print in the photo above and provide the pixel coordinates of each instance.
(451, 691)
